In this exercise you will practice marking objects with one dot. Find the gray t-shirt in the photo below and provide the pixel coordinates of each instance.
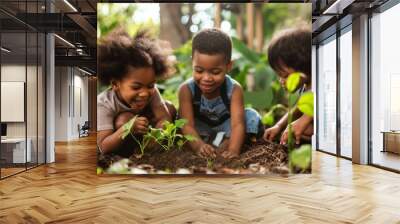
(108, 106)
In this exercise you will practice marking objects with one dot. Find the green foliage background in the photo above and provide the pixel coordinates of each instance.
(267, 92)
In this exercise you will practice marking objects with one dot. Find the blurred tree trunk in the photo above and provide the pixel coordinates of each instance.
(217, 15)
(171, 27)
(250, 25)
(239, 24)
(259, 28)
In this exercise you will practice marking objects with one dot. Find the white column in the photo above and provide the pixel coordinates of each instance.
(360, 90)
(314, 90)
(50, 93)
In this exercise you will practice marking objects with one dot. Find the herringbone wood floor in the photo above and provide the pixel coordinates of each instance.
(70, 192)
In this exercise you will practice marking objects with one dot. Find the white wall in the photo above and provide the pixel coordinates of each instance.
(12, 73)
(61, 103)
(71, 93)
(34, 125)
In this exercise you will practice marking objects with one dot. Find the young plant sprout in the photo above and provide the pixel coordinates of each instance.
(127, 131)
(301, 157)
(269, 118)
(166, 137)
(210, 163)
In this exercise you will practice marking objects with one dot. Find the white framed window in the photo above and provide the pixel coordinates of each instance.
(327, 95)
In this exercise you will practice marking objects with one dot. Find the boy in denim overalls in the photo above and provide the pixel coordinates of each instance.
(211, 101)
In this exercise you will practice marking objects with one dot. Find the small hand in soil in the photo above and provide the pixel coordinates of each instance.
(207, 151)
(227, 154)
(224, 151)
(271, 133)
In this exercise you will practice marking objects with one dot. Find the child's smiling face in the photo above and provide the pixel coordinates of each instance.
(136, 87)
(209, 72)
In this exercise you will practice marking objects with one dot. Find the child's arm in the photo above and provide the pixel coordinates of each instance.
(237, 124)
(273, 131)
(108, 140)
(299, 126)
(159, 109)
(186, 112)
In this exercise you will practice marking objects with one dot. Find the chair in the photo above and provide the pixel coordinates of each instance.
(84, 130)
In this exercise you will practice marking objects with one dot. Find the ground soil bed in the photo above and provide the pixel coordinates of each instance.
(256, 158)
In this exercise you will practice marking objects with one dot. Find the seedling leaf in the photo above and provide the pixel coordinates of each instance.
(180, 123)
(306, 103)
(127, 127)
(301, 157)
(293, 81)
(190, 138)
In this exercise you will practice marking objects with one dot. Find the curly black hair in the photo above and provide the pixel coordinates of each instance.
(213, 41)
(118, 51)
(291, 48)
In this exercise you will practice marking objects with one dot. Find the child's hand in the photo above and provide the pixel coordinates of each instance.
(206, 151)
(298, 127)
(225, 152)
(229, 154)
(141, 125)
(271, 133)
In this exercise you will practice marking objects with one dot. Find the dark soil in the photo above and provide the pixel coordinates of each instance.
(256, 158)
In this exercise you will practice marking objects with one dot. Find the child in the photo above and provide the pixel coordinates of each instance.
(130, 66)
(288, 52)
(211, 101)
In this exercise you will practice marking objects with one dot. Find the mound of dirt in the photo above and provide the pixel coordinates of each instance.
(256, 158)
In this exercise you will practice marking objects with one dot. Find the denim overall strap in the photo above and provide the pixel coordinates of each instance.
(197, 103)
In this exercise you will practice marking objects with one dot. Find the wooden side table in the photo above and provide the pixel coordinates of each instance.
(391, 141)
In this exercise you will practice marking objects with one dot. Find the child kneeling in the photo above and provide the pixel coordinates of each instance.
(212, 101)
(130, 66)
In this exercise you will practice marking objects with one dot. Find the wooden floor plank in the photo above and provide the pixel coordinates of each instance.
(69, 191)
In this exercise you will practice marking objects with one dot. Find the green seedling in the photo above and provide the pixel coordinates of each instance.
(168, 137)
(146, 139)
(305, 103)
(301, 157)
(269, 118)
(127, 130)
(210, 163)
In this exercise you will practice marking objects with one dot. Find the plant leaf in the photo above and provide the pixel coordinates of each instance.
(293, 81)
(156, 133)
(248, 54)
(168, 128)
(127, 127)
(268, 119)
(292, 99)
(259, 99)
(190, 138)
(180, 123)
(306, 103)
(165, 124)
(301, 157)
(180, 143)
(99, 170)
